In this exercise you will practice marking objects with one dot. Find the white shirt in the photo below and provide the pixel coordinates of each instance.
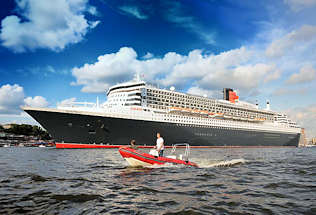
(159, 144)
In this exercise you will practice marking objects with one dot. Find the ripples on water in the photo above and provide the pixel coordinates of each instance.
(231, 181)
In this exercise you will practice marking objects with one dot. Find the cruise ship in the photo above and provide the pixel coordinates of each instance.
(138, 110)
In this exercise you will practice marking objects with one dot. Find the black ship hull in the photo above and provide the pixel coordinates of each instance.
(90, 129)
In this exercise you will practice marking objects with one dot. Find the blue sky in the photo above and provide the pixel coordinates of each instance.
(76, 49)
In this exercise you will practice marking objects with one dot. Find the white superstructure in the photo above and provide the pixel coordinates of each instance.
(140, 101)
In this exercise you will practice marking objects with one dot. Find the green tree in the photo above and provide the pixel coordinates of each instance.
(29, 130)
(1, 128)
(36, 130)
(39, 132)
(23, 129)
(45, 136)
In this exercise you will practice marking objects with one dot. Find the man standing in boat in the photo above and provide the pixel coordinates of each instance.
(133, 145)
(160, 145)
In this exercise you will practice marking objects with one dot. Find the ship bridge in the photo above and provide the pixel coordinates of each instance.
(127, 94)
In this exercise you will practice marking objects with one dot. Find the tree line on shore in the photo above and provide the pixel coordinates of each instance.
(27, 130)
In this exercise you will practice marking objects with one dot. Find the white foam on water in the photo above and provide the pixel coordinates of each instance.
(202, 164)
(166, 165)
(225, 163)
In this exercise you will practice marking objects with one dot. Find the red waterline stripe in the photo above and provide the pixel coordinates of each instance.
(95, 146)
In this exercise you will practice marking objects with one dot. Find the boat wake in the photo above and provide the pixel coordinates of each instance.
(226, 163)
(167, 165)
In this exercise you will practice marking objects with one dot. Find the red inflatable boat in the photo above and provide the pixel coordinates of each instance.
(137, 158)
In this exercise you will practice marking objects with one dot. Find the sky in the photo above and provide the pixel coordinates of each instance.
(73, 50)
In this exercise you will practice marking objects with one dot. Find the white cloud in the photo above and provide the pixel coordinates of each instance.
(43, 71)
(298, 5)
(200, 92)
(208, 72)
(121, 66)
(46, 24)
(93, 10)
(93, 24)
(37, 101)
(175, 15)
(273, 76)
(134, 11)
(66, 102)
(290, 51)
(243, 78)
(289, 92)
(20, 118)
(109, 68)
(305, 117)
(148, 55)
(305, 75)
(11, 98)
(190, 24)
(227, 69)
(298, 39)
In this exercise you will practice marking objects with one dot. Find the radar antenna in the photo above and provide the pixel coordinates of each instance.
(137, 77)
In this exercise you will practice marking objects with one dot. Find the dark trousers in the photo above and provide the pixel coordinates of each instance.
(160, 153)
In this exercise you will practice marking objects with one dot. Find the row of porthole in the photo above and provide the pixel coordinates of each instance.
(166, 101)
(205, 134)
(188, 121)
(207, 126)
(222, 128)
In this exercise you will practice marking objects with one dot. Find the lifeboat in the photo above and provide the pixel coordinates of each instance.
(195, 111)
(228, 117)
(185, 110)
(260, 120)
(136, 158)
(136, 108)
(219, 115)
(174, 109)
(178, 109)
(210, 114)
(204, 112)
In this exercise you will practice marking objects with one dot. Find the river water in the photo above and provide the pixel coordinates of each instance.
(98, 181)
